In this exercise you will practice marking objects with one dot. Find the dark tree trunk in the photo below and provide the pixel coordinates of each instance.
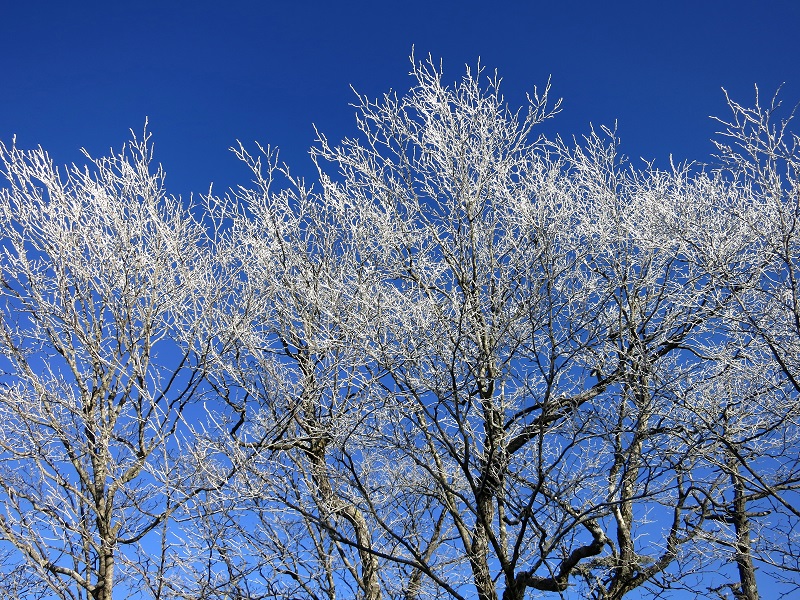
(748, 589)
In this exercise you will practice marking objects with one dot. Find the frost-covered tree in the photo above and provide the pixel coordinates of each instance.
(467, 361)
(472, 349)
(105, 281)
(746, 416)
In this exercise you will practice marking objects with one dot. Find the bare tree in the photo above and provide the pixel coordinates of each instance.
(747, 415)
(468, 361)
(297, 388)
(471, 343)
(104, 281)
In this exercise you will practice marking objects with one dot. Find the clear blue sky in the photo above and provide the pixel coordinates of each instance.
(208, 73)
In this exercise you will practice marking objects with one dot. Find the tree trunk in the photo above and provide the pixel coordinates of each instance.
(741, 524)
(104, 588)
(478, 560)
(369, 563)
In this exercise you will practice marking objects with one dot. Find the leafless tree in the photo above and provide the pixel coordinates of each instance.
(104, 284)
(468, 361)
(470, 346)
(747, 415)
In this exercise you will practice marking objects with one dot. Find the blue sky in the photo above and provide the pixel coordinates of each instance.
(209, 73)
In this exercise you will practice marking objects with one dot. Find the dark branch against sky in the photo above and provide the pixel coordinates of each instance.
(209, 73)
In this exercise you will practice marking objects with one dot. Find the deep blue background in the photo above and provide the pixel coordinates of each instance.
(209, 73)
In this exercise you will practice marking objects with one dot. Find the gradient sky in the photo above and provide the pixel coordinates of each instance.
(206, 73)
